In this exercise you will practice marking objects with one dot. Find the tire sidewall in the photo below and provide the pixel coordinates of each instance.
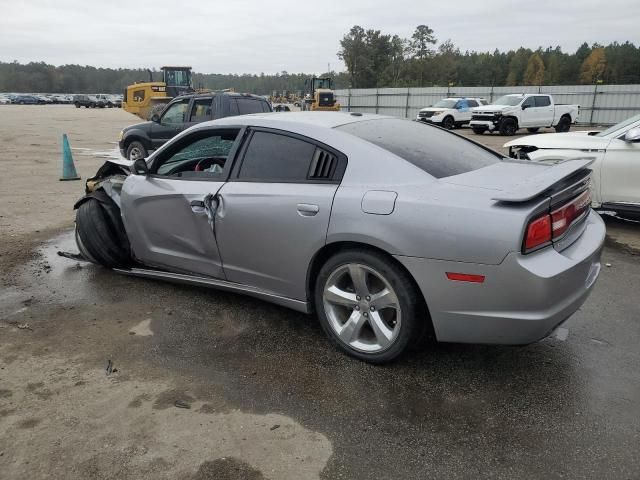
(448, 122)
(508, 127)
(136, 144)
(408, 298)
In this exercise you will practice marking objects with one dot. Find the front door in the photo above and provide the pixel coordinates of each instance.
(620, 172)
(168, 214)
(172, 122)
(273, 214)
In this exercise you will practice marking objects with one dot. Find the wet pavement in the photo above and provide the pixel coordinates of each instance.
(268, 396)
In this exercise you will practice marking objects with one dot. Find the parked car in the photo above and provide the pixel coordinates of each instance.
(26, 100)
(615, 181)
(531, 111)
(136, 141)
(115, 100)
(4, 100)
(386, 228)
(450, 112)
(88, 101)
(104, 100)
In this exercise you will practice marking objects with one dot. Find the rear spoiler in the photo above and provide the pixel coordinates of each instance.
(537, 184)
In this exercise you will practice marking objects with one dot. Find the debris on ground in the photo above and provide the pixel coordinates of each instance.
(181, 404)
(275, 427)
(24, 326)
(110, 368)
(72, 256)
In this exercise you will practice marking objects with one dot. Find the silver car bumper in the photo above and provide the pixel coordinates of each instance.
(521, 301)
(482, 123)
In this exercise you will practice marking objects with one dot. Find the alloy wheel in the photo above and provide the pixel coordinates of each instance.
(362, 308)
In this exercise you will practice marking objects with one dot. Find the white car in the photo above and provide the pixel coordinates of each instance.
(616, 169)
(531, 111)
(450, 112)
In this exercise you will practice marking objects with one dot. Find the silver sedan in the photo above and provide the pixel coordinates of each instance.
(387, 229)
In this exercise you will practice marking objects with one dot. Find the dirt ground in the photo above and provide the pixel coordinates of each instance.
(104, 376)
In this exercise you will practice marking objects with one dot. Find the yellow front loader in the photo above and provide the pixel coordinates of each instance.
(319, 95)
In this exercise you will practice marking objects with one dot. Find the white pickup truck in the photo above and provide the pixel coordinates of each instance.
(531, 111)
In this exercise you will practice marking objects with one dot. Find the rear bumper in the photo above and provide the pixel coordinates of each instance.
(521, 300)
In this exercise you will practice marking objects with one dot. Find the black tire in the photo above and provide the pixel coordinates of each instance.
(564, 125)
(448, 122)
(478, 131)
(136, 147)
(101, 232)
(414, 319)
(508, 127)
(77, 105)
(533, 130)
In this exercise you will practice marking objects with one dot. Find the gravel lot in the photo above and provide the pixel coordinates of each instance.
(104, 376)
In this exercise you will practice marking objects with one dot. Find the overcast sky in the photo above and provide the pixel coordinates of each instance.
(252, 36)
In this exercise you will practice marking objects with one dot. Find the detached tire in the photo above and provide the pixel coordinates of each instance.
(101, 232)
(368, 306)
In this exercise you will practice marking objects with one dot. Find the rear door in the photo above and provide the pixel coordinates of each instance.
(170, 124)
(168, 214)
(274, 212)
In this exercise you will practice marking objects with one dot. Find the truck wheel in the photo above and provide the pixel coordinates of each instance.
(564, 124)
(77, 105)
(508, 127)
(533, 130)
(448, 122)
(478, 130)
(101, 232)
(135, 151)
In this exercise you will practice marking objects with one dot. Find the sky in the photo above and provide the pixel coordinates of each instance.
(252, 36)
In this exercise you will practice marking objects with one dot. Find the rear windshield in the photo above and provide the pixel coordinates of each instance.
(438, 152)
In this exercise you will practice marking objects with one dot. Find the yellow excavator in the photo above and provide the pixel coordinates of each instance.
(319, 95)
(144, 99)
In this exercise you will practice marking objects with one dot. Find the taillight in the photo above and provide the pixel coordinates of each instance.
(551, 226)
(538, 233)
(563, 217)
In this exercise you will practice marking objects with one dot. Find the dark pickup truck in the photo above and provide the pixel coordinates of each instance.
(181, 113)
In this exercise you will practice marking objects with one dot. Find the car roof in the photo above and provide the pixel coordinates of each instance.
(213, 94)
(317, 119)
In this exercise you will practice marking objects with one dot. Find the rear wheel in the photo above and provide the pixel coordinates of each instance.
(533, 130)
(77, 105)
(508, 127)
(368, 306)
(448, 122)
(564, 125)
(478, 130)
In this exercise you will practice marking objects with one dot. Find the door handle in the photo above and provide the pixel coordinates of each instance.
(308, 209)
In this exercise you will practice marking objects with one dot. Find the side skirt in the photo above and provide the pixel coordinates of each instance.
(298, 305)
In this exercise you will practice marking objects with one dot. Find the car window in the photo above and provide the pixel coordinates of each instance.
(438, 152)
(249, 105)
(542, 101)
(271, 157)
(472, 103)
(529, 102)
(201, 110)
(200, 155)
(175, 113)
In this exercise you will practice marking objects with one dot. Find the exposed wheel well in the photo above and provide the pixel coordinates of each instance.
(331, 249)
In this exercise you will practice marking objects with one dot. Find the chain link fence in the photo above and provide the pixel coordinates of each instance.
(599, 104)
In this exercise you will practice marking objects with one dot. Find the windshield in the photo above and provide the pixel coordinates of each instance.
(178, 78)
(511, 100)
(446, 103)
(618, 126)
(438, 152)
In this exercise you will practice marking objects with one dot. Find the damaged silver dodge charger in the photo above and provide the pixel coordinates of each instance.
(386, 228)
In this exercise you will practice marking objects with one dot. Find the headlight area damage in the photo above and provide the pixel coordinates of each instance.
(100, 233)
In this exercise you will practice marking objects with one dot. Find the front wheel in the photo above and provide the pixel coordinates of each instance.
(136, 151)
(368, 306)
(478, 131)
(448, 123)
(508, 127)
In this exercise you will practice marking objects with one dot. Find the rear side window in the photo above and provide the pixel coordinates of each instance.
(276, 158)
(249, 105)
(438, 152)
(472, 103)
(542, 101)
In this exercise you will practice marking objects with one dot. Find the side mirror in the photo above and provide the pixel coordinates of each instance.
(140, 167)
(155, 118)
(632, 135)
(524, 107)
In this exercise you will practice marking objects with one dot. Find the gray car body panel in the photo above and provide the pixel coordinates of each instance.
(265, 239)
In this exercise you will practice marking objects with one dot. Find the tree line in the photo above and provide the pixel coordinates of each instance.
(373, 59)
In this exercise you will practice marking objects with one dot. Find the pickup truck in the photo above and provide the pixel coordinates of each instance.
(531, 111)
